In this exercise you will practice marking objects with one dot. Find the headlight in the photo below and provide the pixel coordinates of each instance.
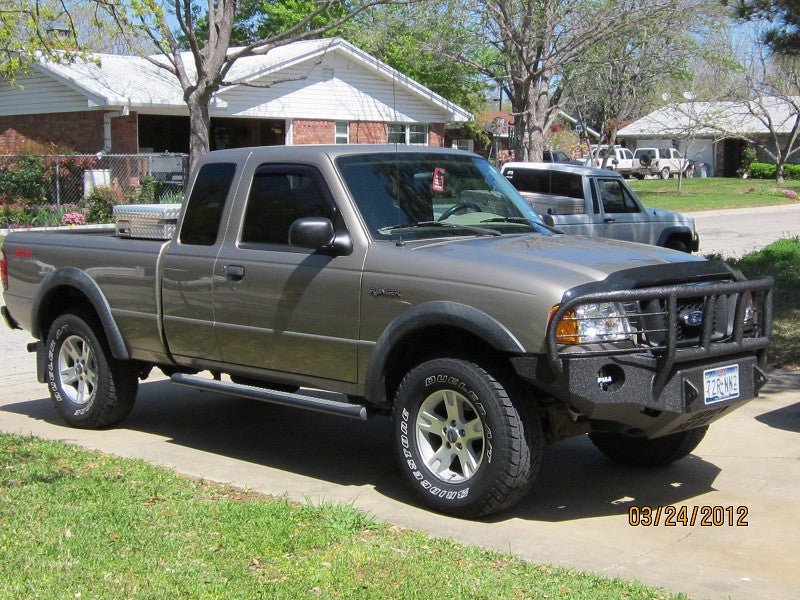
(592, 323)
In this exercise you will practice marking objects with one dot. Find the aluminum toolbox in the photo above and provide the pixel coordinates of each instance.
(146, 221)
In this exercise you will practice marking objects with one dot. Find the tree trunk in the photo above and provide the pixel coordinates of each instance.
(199, 126)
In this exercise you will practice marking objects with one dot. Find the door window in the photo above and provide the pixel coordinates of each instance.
(277, 199)
(615, 198)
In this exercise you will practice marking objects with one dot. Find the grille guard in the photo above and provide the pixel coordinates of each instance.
(669, 353)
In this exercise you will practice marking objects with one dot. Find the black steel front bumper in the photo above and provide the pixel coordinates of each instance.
(652, 389)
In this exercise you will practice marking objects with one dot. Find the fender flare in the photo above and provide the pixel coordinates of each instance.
(681, 231)
(432, 314)
(75, 278)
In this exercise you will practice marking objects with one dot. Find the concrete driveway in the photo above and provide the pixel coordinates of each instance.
(577, 516)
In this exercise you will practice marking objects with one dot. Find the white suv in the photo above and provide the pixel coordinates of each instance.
(663, 162)
(621, 159)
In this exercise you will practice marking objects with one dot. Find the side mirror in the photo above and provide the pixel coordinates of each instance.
(548, 219)
(317, 233)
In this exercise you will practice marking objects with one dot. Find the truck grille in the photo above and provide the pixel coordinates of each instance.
(677, 323)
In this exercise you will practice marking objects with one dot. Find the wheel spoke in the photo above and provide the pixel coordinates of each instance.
(91, 378)
(69, 376)
(72, 351)
(473, 430)
(86, 353)
(82, 393)
(430, 422)
(469, 462)
(441, 460)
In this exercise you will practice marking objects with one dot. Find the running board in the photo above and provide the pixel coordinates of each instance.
(332, 407)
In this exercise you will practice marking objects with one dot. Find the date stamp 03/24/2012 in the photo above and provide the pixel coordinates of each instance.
(688, 516)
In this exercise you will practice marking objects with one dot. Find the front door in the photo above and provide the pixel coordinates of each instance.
(283, 308)
(622, 215)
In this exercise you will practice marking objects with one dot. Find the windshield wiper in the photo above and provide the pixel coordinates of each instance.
(520, 220)
(470, 228)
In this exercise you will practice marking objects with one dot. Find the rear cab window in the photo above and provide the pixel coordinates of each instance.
(210, 192)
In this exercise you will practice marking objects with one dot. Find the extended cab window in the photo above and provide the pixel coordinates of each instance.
(566, 184)
(204, 209)
(278, 197)
(529, 180)
(615, 197)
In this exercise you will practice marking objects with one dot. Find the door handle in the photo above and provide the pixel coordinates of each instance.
(608, 220)
(233, 272)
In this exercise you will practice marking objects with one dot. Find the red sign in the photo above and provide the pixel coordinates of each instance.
(438, 179)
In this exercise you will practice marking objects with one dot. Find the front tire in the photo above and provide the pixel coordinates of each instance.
(643, 452)
(89, 387)
(463, 444)
(664, 174)
(676, 244)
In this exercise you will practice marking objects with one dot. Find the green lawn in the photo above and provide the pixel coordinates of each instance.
(781, 260)
(80, 524)
(712, 193)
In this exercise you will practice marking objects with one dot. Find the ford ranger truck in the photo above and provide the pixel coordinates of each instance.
(414, 282)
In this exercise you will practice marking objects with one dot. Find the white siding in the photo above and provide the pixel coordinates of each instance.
(355, 93)
(36, 94)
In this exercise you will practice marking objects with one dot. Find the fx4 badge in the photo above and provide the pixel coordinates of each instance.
(378, 292)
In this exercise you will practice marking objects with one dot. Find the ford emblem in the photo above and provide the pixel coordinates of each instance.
(693, 318)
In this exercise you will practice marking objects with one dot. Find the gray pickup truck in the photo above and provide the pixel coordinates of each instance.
(416, 283)
(598, 202)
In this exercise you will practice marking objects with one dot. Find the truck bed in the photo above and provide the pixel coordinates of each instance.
(130, 285)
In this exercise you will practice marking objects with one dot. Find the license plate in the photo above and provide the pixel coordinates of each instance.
(721, 384)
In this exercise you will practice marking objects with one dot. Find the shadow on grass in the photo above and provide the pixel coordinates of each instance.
(575, 482)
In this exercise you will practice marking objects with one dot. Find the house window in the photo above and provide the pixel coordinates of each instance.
(415, 134)
(467, 145)
(342, 132)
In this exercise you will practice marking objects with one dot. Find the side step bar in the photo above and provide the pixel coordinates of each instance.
(332, 407)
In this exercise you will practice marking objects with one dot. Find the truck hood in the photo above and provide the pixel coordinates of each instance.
(532, 264)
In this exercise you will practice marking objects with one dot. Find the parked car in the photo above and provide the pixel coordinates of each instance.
(589, 201)
(412, 282)
(557, 156)
(621, 159)
(664, 162)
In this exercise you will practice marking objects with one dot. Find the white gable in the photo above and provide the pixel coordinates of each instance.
(361, 87)
(337, 88)
(37, 94)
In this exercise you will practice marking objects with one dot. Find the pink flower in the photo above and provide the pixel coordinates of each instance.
(73, 218)
(791, 194)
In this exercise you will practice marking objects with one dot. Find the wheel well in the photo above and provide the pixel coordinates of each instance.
(435, 342)
(684, 238)
(64, 299)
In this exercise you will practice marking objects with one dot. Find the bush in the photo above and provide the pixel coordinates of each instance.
(73, 218)
(760, 170)
(15, 216)
(748, 156)
(781, 259)
(98, 205)
(24, 181)
(767, 171)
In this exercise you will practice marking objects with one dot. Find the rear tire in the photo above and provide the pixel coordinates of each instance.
(676, 244)
(643, 452)
(89, 387)
(465, 446)
(664, 173)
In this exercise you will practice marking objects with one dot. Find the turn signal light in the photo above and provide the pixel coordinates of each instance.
(4, 269)
(567, 328)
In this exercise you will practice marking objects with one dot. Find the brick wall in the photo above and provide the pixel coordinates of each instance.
(125, 134)
(313, 132)
(366, 132)
(79, 131)
(436, 135)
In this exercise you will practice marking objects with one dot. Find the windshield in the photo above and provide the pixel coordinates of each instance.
(421, 195)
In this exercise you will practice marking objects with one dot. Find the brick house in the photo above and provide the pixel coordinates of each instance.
(312, 92)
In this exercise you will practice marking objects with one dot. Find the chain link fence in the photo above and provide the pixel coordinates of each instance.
(68, 179)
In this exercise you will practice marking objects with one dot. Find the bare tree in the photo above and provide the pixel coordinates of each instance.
(204, 67)
(532, 45)
(619, 79)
